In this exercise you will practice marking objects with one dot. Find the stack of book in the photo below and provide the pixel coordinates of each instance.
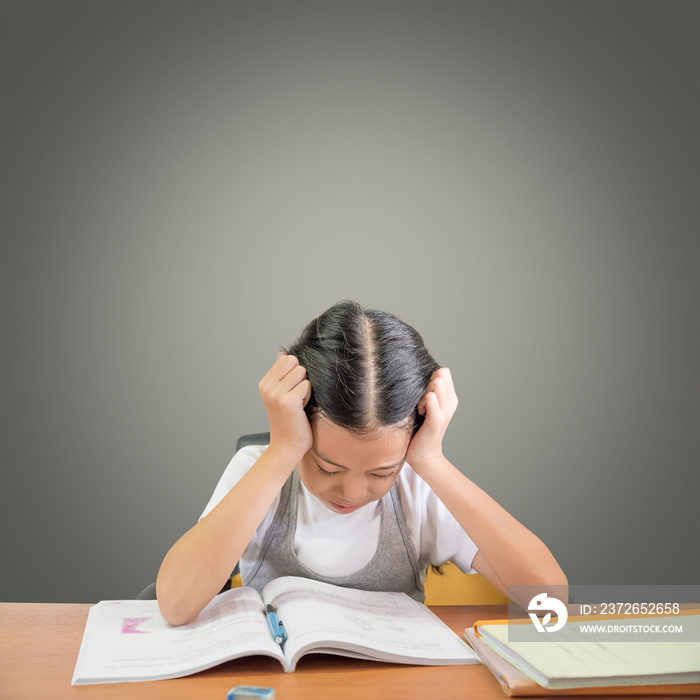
(576, 665)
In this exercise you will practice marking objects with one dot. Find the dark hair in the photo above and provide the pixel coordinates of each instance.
(367, 368)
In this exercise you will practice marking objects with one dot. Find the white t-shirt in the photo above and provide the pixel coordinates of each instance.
(336, 544)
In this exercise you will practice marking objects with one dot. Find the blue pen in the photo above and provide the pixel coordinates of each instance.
(276, 625)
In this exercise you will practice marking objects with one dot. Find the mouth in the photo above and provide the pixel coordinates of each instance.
(342, 509)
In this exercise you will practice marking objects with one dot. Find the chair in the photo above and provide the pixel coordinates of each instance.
(452, 587)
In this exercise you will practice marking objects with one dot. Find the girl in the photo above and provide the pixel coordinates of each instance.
(353, 488)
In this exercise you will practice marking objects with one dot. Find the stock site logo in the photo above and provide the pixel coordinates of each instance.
(543, 602)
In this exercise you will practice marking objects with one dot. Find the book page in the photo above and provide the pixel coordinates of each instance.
(129, 640)
(600, 663)
(384, 626)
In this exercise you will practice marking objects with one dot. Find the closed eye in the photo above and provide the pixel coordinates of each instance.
(325, 472)
(385, 476)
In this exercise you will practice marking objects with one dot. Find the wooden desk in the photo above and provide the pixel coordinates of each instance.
(39, 646)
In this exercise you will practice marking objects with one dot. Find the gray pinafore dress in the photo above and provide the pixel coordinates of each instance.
(394, 566)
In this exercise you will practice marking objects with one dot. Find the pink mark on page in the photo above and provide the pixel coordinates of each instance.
(130, 624)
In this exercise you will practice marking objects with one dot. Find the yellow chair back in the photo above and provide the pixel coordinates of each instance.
(455, 588)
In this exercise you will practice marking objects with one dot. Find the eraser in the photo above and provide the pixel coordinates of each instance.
(246, 692)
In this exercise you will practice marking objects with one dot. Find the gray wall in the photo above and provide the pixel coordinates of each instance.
(186, 184)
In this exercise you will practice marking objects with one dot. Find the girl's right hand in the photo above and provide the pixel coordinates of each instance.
(285, 391)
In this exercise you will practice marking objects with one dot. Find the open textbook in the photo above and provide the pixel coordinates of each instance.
(129, 640)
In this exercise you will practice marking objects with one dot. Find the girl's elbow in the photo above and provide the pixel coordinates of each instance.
(549, 573)
(558, 576)
(546, 575)
(554, 581)
(175, 617)
(173, 612)
(550, 576)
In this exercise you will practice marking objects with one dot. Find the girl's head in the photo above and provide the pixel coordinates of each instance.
(368, 369)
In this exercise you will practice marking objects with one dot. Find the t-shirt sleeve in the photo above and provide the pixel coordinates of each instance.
(241, 462)
(438, 537)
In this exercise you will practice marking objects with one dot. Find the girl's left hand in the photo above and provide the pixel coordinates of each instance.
(438, 405)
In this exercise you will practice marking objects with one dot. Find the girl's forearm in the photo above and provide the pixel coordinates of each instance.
(197, 566)
(516, 555)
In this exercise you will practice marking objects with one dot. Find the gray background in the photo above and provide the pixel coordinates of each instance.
(186, 184)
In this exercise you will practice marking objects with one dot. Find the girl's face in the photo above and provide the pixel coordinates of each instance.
(346, 471)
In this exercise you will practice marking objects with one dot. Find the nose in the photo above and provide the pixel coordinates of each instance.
(352, 491)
